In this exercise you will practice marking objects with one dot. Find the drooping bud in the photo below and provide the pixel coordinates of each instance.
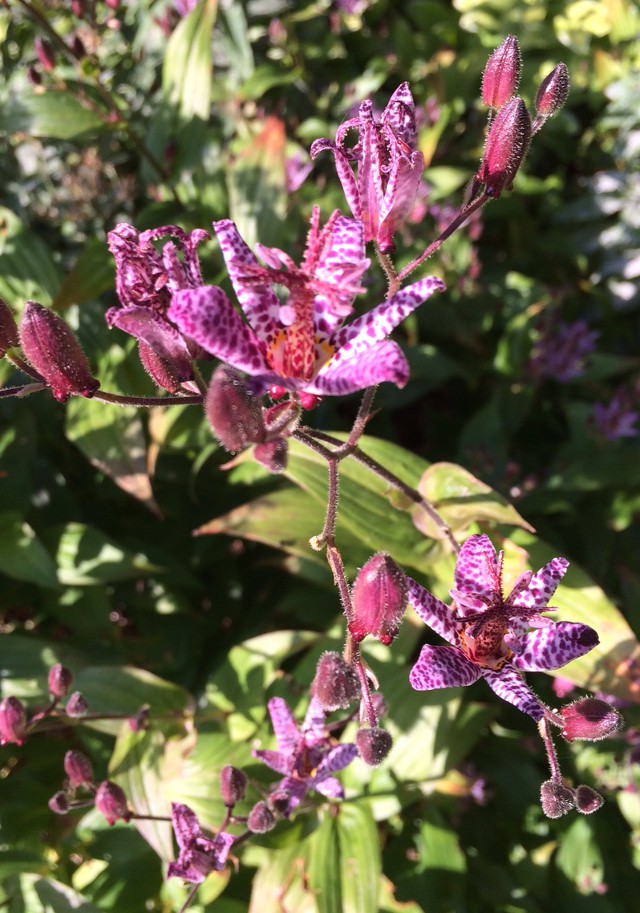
(78, 769)
(53, 350)
(8, 329)
(589, 719)
(45, 54)
(59, 803)
(60, 679)
(261, 819)
(588, 800)
(272, 455)
(502, 73)
(373, 745)
(556, 799)
(76, 705)
(112, 803)
(233, 783)
(160, 369)
(379, 599)
(235, 415)
(553, 91)
(336, 685)
(506, 147)
(13, 721)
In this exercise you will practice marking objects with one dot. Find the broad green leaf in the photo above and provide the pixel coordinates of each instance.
(12, 862)
(579, 857)
(267, 77)
(281, 883)
(188, 68)
(22, 555)
(85, 556)
(27, 269)
(53, 114)
(36, 894)
(92, 274)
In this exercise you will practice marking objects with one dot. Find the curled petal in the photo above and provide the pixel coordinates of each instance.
(542, 585)
(344, 171)
(510, 686)
(477, 568)
(399, 196)
(554, 646)
(185, 823)
(350, 371)
(400, 115)
(434, 613)
(443, 667)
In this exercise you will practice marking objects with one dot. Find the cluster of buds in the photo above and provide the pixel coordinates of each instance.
(80, 791)
(15, 724)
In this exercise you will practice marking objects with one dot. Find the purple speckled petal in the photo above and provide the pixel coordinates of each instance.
(349, 371)
(543, 585)
(434, 613)
(477, 569)
(191, 873)
(276, 760)
(223, 844)
(344, 172)
(284, 726)
(259, 302)
(159, 335)
(443, 667)
(185, 823)
(329, 787)
(399, 196)
(400, 116)
(341, 266)
(554, 646)
(207, 316)
(297, 790)
(314, 725)
(335, 759)
(511, 687)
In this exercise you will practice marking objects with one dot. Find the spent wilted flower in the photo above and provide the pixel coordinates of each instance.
(488, 632)
(389, 165)
(301, 345)
(199, 855)
(306, 756)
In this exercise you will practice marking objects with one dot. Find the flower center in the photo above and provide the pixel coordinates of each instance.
(483, 642)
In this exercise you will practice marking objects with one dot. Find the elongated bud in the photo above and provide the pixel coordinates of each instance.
(60, 679)
(59, 803)
(336, 685)
(553, 91)
(588, 800)
(76, 705)
(506, 147)
(502, 73)
(379, 599)
(112, 802)
(589, 719)
(556, 799)
(373, 745)
(13, 721)
(55, 353)
(235, 415)
(161, 369)
(233, 783)
(8, 329)
(45, 54)
(261, 819)
(78, 769)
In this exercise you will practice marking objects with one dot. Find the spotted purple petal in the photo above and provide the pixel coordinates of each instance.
(329, 787)
(185, 823)
(284, 725)
(335, 759)
(297, 790)
(349, 371)
(477, 569)
(400, 115)
(314, 725)
(399, 196)
(443, 667)
(276, 760)
(510, 686)
(554, 646)
(434, 613)
(542, 585)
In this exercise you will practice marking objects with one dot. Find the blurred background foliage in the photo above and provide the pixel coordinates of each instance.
(147, 113)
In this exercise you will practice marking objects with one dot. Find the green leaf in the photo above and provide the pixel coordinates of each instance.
(188, 67)
(23, 556)
(28, 270)
(92, 274)
(52, 114)
(86, 557)
(44, 895)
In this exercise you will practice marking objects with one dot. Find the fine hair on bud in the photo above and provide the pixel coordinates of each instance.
(373, 745)
(589, 719)
(588, 800)
(112, 802)
(379, 600)
(336, 685)
(272, 455)
(76, 705)
(553, 91)
(60, 680)
(233, 783)
(556, 799)
(234, 413)
(505, 148)
(502, 73)
(78, 769)
(261, 819)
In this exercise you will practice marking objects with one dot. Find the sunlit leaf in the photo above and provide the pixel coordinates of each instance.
(28, 269)
(22, 555)
(86, 557)
(54, 114)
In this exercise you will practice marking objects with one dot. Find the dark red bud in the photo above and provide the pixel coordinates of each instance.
(279, 801)
(233, 783)
(379, 599)
(34, 77)
(272, 455)
(55, 353)
(8, 329)
(13, 721)
(588, 800)
(590, 720)
(276, 392)
(60, 679)
(76, 705)
(553, 91)
(45, 54)
(59, 803)
(506, 147)
(556, 799)
(78, 769)
(234, 413)
(373, 745)
(336, 685)
(162, 370)
(502, 73)
(310, 400)
(112, 802)
(77, 47)
(261, 819)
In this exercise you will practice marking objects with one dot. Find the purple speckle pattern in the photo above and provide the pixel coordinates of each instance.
(443, 667)
(434, 613)
(510, 686)
(477, 569)
(198, 854)
(542, 586)
(150, 327)
(284, 725)
(351, 370)
(282, 763)
(554, 646)
(314, 726)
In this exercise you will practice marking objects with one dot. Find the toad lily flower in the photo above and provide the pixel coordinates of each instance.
(389, 166)
(199, 855)
(307, 756)
(301, 345)
(489, 634)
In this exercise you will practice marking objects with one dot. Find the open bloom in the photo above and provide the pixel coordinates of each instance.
(307, 756)
(199, 855)
(301, 344)
(389, 165)
(488, 633)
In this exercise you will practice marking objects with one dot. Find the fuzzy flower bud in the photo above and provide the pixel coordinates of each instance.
(45, 54)
(55, 353)
(373, 745)
(272, 455)
(233, 783)
(502, 73)
(78, 769)
(76, 705)
(336, 684)
(588, 800)
(59, 803)
(60, 679)
(379, 599)
(279, 801)
(166, 372)
(13, 721)
(112, 802)
(589, 719)
(8, 329)
(506, 147)
(261, 819)
(553, 91)
(556, 799)
(235, 415)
